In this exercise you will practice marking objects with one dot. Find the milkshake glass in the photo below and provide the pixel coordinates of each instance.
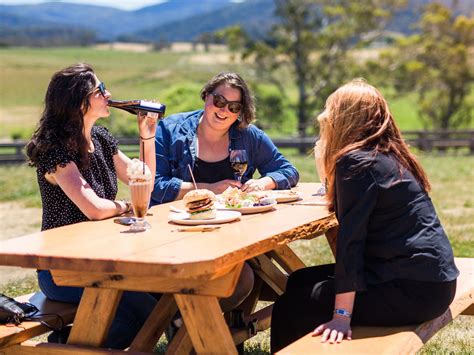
(140, 184)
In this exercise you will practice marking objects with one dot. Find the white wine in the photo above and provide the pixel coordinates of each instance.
(154, 109)
(239, 167)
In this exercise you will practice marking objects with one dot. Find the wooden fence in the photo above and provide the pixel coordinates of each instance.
(440, 142)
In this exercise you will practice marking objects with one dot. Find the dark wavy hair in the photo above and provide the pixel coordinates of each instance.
(234, 80)
(62, 121)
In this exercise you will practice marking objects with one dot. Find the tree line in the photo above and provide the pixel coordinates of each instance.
(316, 41)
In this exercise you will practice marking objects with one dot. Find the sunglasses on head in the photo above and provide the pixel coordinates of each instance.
(220, 101)
(102, 89)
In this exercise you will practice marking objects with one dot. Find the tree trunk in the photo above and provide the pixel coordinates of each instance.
(300, 61)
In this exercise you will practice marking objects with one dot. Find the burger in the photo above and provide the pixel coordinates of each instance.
(200, 204)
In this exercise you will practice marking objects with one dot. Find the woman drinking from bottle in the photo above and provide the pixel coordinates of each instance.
(77, 165)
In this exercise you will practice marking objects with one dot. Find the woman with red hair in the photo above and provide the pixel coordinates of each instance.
(394, 264)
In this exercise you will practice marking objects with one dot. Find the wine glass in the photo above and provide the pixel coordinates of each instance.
(238, 162)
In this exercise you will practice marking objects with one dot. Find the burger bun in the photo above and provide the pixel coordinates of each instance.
(199, 194)
(207, 214)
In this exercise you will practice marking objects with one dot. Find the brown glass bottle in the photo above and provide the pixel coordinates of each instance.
(134, 106)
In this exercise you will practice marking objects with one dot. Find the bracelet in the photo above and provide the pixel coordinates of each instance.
(145, 139)
(128, 206)
(343, 312)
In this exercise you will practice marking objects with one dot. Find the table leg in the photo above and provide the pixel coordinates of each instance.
(181, 343)
(94, 316)
(269, 273)
(206, 325)
(286, 257)
(249, 304)
(155, 325)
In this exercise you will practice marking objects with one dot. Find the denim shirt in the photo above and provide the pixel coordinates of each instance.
(176, 141)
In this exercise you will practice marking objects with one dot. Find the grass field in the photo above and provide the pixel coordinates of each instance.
(453, 183)
(168, 76)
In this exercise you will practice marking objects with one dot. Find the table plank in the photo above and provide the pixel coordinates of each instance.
(210, 285)
(103, 247)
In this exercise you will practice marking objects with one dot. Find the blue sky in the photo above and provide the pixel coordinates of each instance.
(121, 4)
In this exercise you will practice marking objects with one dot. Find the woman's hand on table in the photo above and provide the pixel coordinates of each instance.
(335, 330)
(265, 183)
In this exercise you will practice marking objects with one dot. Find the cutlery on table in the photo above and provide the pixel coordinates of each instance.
(176, 209)
(197, 229)
(314, 203)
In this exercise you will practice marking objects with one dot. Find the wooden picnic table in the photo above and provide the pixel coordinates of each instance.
(192, 269)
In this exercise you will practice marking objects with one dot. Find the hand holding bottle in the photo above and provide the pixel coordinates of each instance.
(146, 125)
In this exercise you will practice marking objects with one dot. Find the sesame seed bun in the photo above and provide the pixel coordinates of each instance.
(198, 195)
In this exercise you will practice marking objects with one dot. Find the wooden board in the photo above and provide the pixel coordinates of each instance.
(35, 348)
(221, 286)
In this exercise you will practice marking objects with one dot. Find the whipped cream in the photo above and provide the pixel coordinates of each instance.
(135, 170)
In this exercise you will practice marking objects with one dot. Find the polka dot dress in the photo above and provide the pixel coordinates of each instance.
(58, 209)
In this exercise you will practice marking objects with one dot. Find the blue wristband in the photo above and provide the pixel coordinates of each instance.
(343, 312)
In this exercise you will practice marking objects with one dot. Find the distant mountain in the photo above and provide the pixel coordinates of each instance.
(94, 18)
(28, 30)
(255, 16)
(174, 20)
(107, 22)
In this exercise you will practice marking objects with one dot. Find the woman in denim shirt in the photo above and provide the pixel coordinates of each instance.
(203, 139)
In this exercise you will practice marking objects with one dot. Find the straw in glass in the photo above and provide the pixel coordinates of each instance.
(143, 149)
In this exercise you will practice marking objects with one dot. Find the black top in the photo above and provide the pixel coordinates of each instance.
(204, 171)
(388, 227)
(58, 209)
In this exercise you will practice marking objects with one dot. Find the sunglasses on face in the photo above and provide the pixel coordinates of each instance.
(220, 101)
(102, 89)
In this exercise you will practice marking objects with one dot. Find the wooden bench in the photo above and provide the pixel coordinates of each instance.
(396, 340)
(11, 335)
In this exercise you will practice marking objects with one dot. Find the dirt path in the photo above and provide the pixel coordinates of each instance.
(16, 220)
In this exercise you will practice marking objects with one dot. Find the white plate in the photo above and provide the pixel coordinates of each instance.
(286, 195)
(221, 217)
(249, 210)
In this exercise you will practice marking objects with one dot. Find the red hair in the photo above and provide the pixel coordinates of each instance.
(358, 117)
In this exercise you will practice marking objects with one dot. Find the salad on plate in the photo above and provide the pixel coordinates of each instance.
(235, 198)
